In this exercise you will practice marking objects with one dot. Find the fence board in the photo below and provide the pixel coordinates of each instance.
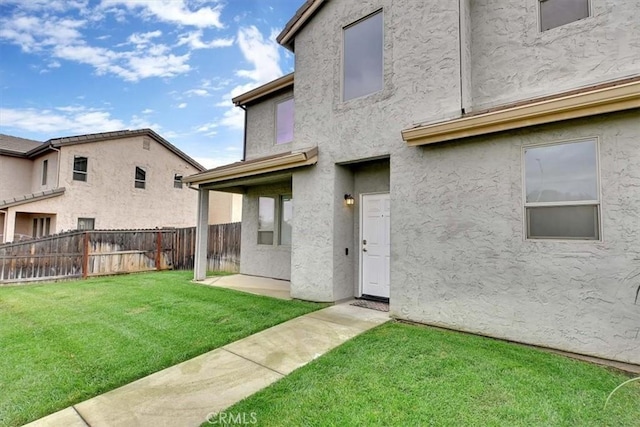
(104, 252)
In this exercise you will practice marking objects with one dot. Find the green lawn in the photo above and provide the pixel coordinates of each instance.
(407, 375)
(62, 343)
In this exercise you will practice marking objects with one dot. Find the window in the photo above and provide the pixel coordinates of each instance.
(562, 191)
(362, 57)
(86, 223)
(284, 121)
(41, 227)
(45, 168)
(177, 181)
(266, 214)
(141, 177)
(80, 168)
(286, 215)
(555, 13)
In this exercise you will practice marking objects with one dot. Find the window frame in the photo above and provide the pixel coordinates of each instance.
(541, 29)
(597, 203)
(177, 181)
(140, 184)
(342, 62)
(80, 173)
(92, 221)
(282, 101)
(277, 219)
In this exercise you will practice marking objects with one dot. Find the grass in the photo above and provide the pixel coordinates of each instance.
(62, 343)
(400, 374)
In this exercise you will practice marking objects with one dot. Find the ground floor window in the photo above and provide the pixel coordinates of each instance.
(562, 199)
(86, 223)
(41, 227)
(275, 214)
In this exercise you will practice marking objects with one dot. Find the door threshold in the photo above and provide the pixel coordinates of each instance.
(374, 298)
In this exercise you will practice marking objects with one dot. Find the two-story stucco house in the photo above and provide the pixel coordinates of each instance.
(114, 180)
(475, 162)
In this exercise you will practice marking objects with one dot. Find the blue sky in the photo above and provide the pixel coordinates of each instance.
(70, 67)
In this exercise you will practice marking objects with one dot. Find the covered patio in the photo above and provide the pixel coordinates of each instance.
(275, 288)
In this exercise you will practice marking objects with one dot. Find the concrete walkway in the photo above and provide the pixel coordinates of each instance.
(183, 395)
(252, 284)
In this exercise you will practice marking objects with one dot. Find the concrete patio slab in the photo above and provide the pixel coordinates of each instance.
(252, 284)
(68, 417)
(185, 394)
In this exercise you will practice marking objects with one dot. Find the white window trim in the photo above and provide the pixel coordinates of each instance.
(136, 180)
(275, 128)
(74, 171)
(539, 16)
(344, 27)
(277, 218)
(526, 205)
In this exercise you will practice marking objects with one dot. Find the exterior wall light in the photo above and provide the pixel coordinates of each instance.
(349, 200)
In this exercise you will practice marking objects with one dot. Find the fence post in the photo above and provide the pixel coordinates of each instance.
(158, 250)
(85, 255)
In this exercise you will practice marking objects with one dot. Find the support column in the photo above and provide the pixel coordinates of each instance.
(202, 236)
(9, 225)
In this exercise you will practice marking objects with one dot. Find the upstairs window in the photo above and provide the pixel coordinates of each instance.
(141, 177)
(80, 168)
(284, 121)
(555, 13)
(562, 191)
(177, 181)
(362, 57)
(45, 171)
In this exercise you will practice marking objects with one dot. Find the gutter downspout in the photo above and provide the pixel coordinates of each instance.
(460, 70)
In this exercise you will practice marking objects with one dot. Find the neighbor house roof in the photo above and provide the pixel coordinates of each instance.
(599, 99)
(284, 82)
(15, 145)
(35, 148)
(297, 22)
(255, 167)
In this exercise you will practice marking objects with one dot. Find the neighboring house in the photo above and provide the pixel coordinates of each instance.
(113, 180)
(476, 162)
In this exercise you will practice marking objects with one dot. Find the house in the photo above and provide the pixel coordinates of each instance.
(477, 163)
(114, 180)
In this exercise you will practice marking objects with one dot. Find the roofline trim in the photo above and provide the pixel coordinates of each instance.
(280, 83)
(588, 103)
(285, 38)
(33, 198)
(256, 167)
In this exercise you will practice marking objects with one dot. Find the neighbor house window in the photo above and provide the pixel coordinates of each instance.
(562, 191)
(141, 178)
(41, 227)
(555, 13)
(286, 215)
(45, 170)
(362, 57)
(284, 121)
(79, 168)
(177, 181)
(266, 215)
(86, 223)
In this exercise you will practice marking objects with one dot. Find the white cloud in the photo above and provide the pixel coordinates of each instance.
(214, 162)
(194, 41)
(182, 105)
(69, 120)
(143, 38)
(173, 11)
(197, 92)
(147, 111)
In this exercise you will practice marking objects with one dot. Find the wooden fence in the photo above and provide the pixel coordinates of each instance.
(105, 252)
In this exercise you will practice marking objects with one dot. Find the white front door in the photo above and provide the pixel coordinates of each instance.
(375, 244)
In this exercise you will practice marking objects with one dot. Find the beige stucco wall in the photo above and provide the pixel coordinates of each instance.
(109, 195)
(15, 177)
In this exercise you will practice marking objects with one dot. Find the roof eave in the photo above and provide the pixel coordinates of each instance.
(295, 24)
(589, 103)
(284, 82)
(269, 165)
